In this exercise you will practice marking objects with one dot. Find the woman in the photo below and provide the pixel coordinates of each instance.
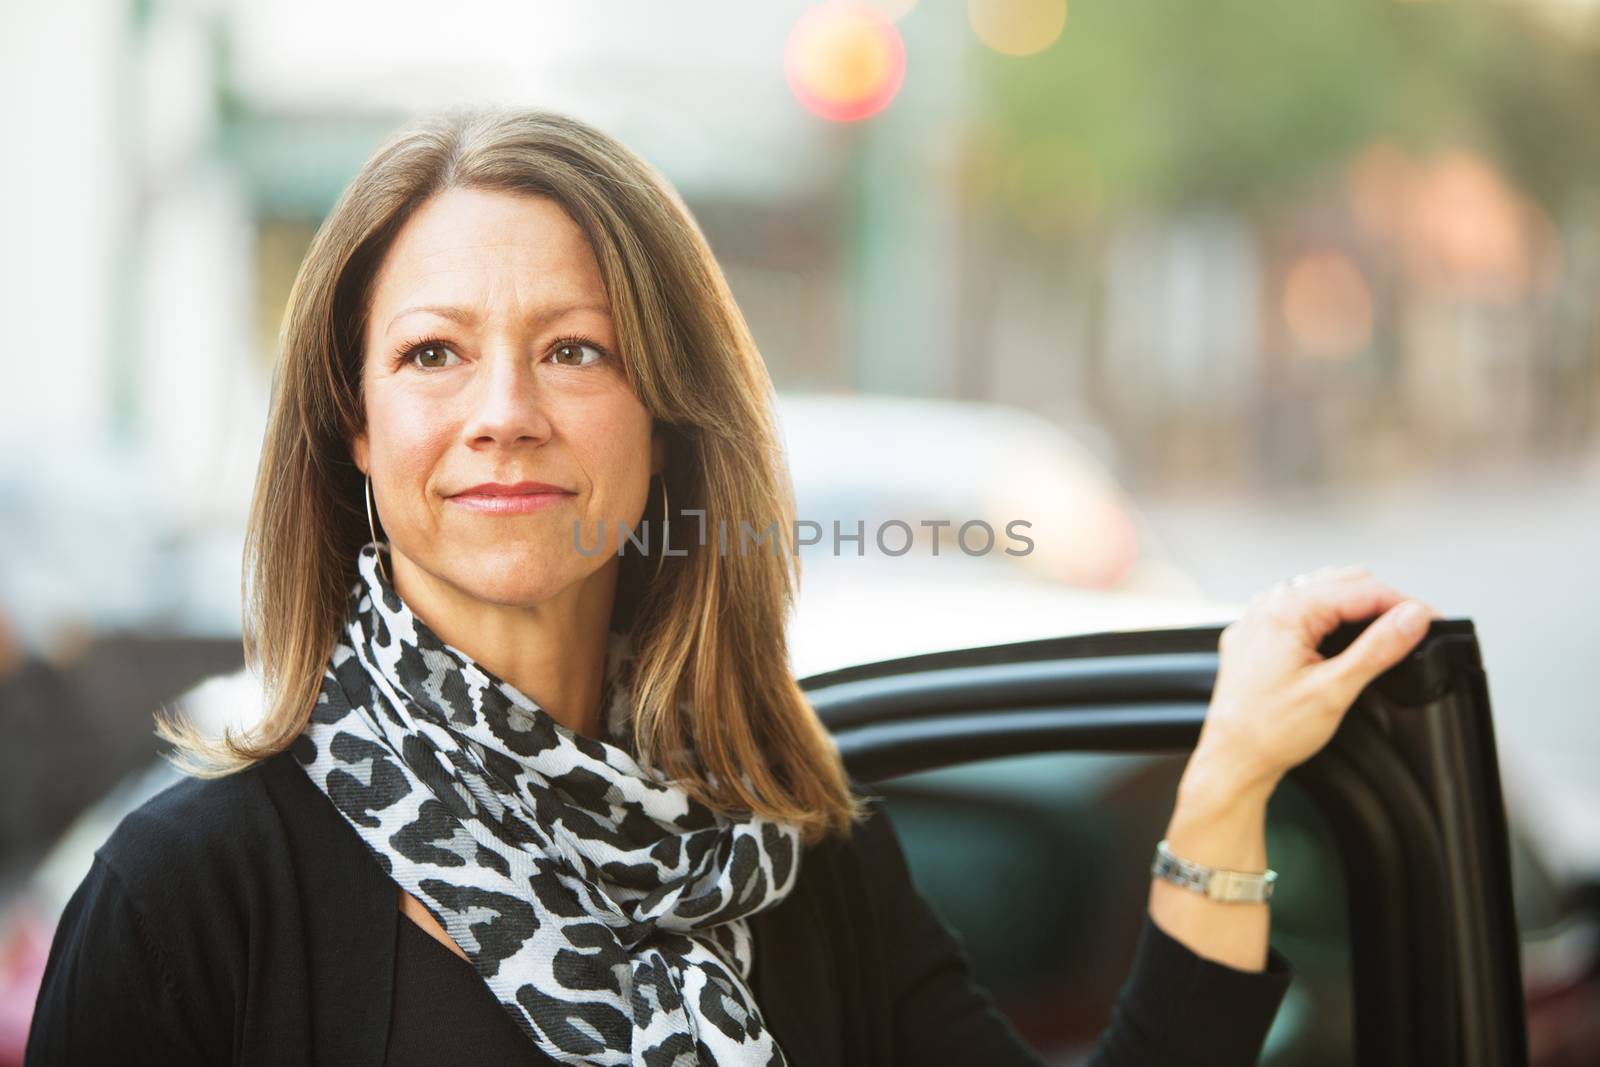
(516, 800)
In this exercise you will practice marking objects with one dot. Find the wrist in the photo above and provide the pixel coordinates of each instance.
(1219, 818)
(1217, 778)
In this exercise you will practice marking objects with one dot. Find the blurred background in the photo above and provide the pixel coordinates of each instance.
(1211, 293)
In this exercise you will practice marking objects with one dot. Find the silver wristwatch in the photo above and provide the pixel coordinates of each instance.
(1214, 882)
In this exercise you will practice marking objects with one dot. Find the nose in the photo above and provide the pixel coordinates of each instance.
(506, 407)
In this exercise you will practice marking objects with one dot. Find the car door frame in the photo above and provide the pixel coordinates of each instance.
(1409, 784)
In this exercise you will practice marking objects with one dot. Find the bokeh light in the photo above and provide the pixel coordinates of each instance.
(844, 61)
(1017, 27)
(1455, 221)
(1327, 304)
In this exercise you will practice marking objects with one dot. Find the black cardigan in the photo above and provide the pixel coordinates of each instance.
(241, 920)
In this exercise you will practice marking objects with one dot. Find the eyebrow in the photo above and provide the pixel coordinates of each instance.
(466, 316)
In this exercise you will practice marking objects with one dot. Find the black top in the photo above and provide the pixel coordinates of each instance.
(444, 1013)
(241, 920)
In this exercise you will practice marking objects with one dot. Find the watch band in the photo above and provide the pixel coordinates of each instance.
(1214, 882)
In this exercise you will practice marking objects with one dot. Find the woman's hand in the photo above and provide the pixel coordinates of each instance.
(1276, 702)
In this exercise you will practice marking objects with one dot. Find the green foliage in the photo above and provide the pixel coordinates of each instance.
(1162, 102)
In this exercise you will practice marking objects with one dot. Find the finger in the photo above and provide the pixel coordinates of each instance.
(1318, 581)
(1360, 570)
(1378, 647)
(1349, 601)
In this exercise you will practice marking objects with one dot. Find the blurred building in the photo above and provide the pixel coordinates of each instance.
(1228, 247)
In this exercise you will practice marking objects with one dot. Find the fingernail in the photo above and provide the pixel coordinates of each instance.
(1411, 616)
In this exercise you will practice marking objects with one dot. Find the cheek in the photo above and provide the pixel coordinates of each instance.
(405, 443)
(619, 460)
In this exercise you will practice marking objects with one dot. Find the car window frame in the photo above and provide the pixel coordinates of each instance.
(1410, 785)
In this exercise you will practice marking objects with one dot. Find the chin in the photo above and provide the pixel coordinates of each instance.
(512, 579)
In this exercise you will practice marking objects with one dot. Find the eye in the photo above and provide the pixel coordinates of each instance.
(430, 355)
(569, 352)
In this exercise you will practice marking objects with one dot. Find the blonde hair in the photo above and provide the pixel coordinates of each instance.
(710, 631)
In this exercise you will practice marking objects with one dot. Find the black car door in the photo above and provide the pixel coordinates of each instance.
(1048, 768)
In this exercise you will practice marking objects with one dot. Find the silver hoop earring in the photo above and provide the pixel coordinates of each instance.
(662, 555)
(373, 530)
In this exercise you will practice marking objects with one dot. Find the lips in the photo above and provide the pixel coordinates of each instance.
(511, 489)
(510, 498)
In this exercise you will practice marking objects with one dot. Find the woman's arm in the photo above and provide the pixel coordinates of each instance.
(109, 993)
(1219, 823)
(1205, 985)
(1276, 703)
(1205, 980)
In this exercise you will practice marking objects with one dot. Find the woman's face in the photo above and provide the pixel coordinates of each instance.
(490, 362)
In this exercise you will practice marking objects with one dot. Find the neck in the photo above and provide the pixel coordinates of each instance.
(553, 652)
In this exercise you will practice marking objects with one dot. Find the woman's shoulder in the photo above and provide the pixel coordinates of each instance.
(197, 826)
(182, 911)
(868, 852)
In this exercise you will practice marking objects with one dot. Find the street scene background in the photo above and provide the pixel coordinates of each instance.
(1220, 292)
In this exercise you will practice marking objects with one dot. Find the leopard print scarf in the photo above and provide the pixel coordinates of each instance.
(605, 908)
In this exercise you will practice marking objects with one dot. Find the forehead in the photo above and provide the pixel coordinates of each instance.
(479, 248)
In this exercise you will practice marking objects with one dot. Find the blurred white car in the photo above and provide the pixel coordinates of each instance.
(1095, 563)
